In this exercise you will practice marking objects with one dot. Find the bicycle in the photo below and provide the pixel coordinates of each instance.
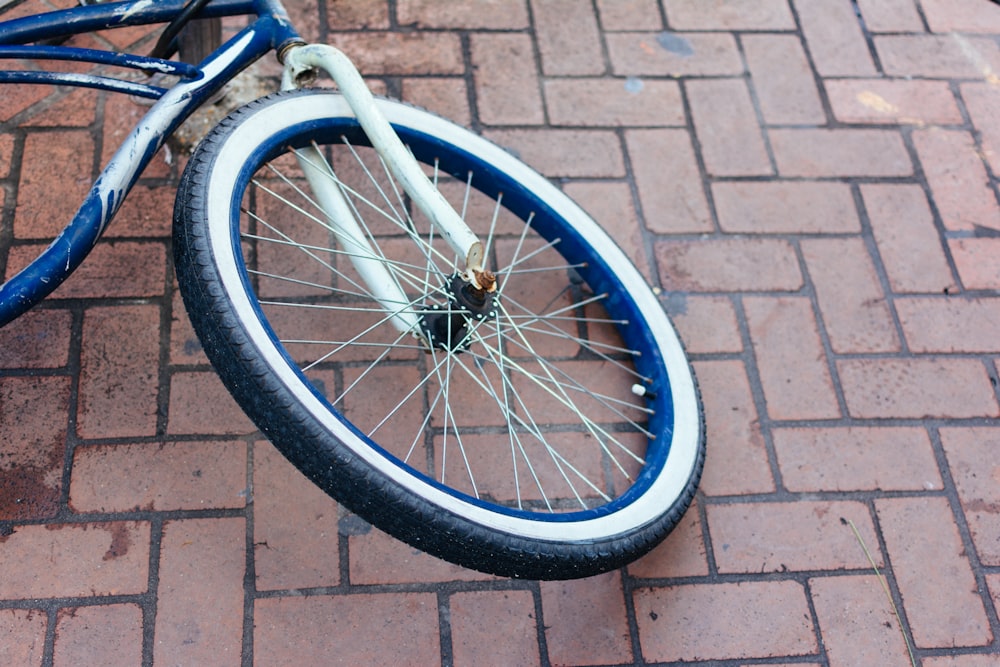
(534, 419)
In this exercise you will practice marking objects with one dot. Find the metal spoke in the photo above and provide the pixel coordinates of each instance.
(533, 398)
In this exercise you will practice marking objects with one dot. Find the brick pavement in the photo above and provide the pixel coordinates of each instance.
(814, 185)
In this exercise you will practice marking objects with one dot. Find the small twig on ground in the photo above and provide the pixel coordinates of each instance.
(885, 588)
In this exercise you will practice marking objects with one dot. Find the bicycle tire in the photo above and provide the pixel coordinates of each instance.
(307, 401)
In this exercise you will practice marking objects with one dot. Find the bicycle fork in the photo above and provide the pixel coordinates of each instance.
(300, 64)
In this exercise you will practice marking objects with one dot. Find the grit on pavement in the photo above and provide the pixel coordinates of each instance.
(813, 184)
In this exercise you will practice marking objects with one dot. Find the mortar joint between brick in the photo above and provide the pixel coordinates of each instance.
(250, 571)
(869, 38)
(964, 531)
(444, 629)
(871, 246)
(543, 643)
(696, 148)
(756, 391)
(758, 110)
(824, 99)
(628, 591)
(889, 578)
(920, 177)
(701, 505)
(149, 607)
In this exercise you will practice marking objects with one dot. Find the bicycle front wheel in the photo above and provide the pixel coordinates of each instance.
(551, 430)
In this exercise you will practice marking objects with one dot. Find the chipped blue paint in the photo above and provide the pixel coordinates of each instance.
(97, 57)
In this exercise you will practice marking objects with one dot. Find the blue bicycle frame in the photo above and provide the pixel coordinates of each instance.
(197, 83)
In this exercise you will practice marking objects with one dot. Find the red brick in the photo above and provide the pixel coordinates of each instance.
(670, 54)
(908, 242)
(725, 122)
(379, 53)
(611, 205)
(671, 191)
(566, 153)
(389, 629)
(855, 313)
(6, 154)
(199, 611)
(376, 558)
(51, 157)
(568, 38)
(493, 627)
(629, 14)
(23, 632)
(891, 15)
(506, 84)
(696, 622)
(782, 80)
(122, 37)
(682, 554)
(111, 270)
(446, 97)
(494, 15)
(857, 621)
(728, 264)
(344, 16)
(147, 211)
(958, 179)
(75, 560)
(950, 324)
(856, 458)
(706, 324)
(33, 412)
(941, 602)
(797, 536)
(975, 467)
(199, 403)
(785, 207)
(790, 358)
(119, 383)
(585, 621)
(614, 102)
(729, 15)
(118, 270)
(159, 477)
(37, 339)
(895, 101)
(839, 152)
(99, 635)
(75, 109)
(961, 16)
(295, 535)
(961, 660)
(981, 99)
(834, 38)
(917, 388)
(740, 463)
(938, 56)
(19, 98)
(185, 348)
(978, 262)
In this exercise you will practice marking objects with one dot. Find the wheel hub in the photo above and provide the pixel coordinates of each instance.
(447, 326)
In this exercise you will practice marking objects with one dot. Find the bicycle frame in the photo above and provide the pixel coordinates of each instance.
(271, 30)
